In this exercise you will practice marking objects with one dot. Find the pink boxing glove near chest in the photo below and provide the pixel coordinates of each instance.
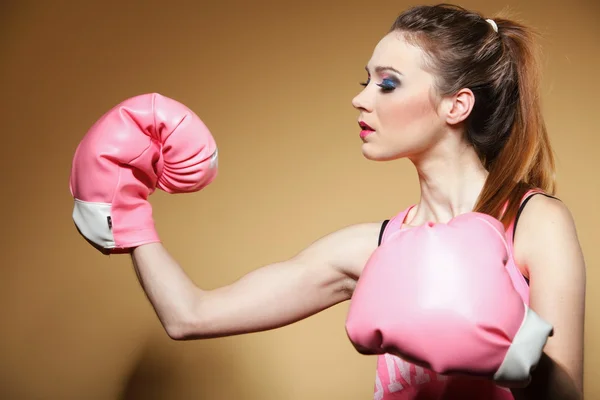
(145, 142)
(439, 296)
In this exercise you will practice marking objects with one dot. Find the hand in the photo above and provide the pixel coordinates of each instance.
(145, 142)
(150, 142)
(439, 296)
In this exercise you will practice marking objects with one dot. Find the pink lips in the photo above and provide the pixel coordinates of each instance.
(366, 130)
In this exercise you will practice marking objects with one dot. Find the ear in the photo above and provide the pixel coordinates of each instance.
(459, 106)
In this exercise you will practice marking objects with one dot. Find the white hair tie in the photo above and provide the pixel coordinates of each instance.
(493, 24)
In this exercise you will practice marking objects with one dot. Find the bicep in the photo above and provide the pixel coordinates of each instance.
(282, 293)
(548, 246)
(344, 253)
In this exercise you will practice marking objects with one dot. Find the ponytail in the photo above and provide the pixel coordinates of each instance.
(526, 160)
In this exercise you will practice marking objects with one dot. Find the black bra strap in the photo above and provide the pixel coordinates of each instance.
(383, 225)
(521, 210)
(519, 214)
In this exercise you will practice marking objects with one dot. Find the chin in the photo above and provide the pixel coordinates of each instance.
(371, 153)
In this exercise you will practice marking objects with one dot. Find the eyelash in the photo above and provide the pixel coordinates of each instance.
(387, 85)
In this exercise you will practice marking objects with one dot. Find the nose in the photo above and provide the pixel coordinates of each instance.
(361, 101)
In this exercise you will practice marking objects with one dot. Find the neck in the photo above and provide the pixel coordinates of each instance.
(450, 185)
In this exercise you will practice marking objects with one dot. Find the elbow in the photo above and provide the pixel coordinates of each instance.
(177, 331)
(183, 329)
(185, 326)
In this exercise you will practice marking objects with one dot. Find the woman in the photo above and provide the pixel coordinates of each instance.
(457, 95)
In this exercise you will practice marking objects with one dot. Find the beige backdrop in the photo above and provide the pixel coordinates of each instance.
(274, 82)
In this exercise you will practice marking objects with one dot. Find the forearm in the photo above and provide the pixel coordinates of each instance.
(266, 298)
(550, 381)
(166, 285)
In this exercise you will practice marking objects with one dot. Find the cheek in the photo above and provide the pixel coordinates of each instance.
(407, 114)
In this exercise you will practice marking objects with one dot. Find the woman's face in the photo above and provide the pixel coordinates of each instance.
(398, 112)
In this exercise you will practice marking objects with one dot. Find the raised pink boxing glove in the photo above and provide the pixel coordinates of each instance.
(146, 142)
(439, 296)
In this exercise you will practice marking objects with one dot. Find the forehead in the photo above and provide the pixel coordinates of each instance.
(393, 51)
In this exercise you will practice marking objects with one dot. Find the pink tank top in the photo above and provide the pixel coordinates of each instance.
(397, 379)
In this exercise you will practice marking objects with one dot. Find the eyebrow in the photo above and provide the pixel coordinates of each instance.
(380, 69)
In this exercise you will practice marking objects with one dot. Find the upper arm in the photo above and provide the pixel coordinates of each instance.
(547, 246)
(281, 293)
(343, 253)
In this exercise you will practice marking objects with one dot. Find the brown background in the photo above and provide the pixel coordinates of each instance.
(274, 82)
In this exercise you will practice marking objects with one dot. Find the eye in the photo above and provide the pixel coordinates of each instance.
(387, 85)
(365, 83)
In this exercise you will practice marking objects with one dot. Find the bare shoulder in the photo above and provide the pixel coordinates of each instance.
(547, 246)
(545, 225)
(345, 250)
